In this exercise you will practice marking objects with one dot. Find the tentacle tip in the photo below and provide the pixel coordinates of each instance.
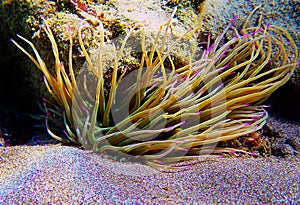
(182, 123)
(258, 30)
(83, 107)
(252, 154)
(188, 166)
(126, 67)
(233, 20)
(158, 162)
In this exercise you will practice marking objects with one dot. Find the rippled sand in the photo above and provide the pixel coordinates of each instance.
(68, 175)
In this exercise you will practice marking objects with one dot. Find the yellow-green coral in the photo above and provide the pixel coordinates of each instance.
(165, 113)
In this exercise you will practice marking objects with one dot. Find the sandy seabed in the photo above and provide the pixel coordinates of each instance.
(68, 175)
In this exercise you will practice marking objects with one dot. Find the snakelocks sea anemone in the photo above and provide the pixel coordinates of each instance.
(161, 113)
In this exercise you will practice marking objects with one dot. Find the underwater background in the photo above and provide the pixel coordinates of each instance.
(273, 179)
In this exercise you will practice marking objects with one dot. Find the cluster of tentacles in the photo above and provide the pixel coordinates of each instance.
(164, 113)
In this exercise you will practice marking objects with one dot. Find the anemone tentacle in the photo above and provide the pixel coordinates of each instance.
(212, 99)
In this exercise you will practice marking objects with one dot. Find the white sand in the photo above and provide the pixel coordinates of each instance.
(68, 175)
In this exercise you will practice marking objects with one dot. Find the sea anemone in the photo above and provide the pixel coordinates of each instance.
(161, 113)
